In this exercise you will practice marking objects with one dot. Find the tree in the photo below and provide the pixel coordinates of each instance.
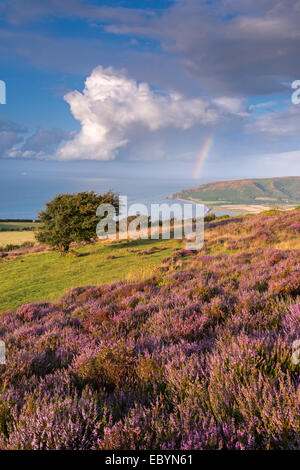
(72, 218)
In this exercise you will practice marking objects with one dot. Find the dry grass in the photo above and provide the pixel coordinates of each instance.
(288, 245)
(16, 238)
(142, 274)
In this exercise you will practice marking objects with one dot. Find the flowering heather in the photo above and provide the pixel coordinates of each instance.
(197, 357)
(246, 233)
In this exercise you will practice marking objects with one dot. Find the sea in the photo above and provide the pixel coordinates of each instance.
(24, 194)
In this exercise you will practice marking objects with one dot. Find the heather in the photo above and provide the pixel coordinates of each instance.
(196, 356)
(92, 264)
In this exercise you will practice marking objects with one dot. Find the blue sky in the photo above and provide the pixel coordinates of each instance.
(111, 83)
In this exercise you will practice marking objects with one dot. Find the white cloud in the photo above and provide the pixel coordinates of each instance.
(266, 104)
(292, 155)
(113, 106)
(232, 105)
(282, 163)
(285, 122)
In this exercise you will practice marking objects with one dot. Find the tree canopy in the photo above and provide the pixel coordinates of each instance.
(72, 218)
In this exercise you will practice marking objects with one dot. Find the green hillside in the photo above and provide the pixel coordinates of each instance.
(34, 276)
(265, 191)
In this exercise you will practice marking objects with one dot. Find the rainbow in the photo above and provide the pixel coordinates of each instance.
(202, 156)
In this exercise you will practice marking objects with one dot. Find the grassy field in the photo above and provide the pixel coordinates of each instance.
(16, 238)
(18, 225)
(46, 276)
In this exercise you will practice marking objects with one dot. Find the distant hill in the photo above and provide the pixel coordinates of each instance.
(237, 194)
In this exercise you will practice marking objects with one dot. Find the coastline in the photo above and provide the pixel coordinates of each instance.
(245, 196)
(217, 212)
(236, 209)
(208, 209)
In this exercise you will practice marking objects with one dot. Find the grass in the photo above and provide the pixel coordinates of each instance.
(16, 238)
(18, 225)
(288, 245)
(211, 203)
(46, 276)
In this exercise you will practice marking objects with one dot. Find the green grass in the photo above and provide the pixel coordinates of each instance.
(211, 203)
(18, 225)
(46, 276)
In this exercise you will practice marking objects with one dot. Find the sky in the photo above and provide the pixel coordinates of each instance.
(141, 87)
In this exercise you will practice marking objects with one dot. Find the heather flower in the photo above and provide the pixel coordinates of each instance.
(193, 358)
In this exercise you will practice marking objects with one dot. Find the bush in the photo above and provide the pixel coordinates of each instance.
(209, 218)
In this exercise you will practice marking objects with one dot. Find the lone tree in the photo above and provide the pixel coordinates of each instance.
(72, 218)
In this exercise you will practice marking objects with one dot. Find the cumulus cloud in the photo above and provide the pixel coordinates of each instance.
(114, 111)
(113, 106)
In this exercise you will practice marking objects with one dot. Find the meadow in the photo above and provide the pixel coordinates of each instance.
(15, 226)
(194, 354)
(16, 237)
(36, 273)
(34, 277)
